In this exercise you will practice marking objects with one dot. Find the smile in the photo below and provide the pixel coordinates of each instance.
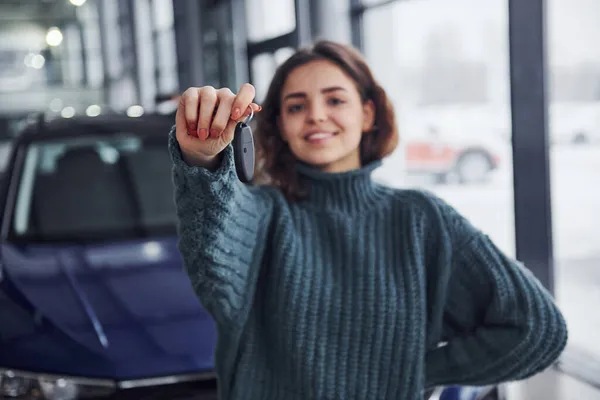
(319, 137)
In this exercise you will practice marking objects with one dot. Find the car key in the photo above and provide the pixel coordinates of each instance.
(243, 149)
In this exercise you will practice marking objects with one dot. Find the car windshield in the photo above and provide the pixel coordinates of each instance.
(94, 189)
(5, 146)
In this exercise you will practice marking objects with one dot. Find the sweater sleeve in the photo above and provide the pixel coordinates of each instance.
(498, 323)
(222, 224)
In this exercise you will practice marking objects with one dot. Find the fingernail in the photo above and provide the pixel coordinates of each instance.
(236, 113)
(214, 132)
(259, 108)
(203, 133)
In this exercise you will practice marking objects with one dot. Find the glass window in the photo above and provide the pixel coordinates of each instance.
(165, 52)
(95, 189)
(163, 14)
(167, 61)
(219, 46)
(447, 73)
(268, 19)
(73, 69)
(112, 38)
(264, 66)
(143, 36)
(574, 127)
(88, 15)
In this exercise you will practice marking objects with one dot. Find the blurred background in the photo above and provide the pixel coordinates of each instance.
(498, 106)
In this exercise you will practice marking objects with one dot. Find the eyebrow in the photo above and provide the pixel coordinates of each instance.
(303, 95)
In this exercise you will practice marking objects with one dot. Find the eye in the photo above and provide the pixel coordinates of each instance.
(295, 108)
(334, 101)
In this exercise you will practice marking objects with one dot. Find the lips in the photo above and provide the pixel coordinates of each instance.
(316, 137)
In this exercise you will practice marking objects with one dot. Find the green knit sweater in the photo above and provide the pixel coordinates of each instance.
(359, 292)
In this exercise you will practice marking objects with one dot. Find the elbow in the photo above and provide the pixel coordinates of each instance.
(552, 332)
(545, 338)
(557, 334)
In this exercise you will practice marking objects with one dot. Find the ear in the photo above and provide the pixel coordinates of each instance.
(368, 116)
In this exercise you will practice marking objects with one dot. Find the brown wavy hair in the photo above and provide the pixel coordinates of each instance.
(275, 160)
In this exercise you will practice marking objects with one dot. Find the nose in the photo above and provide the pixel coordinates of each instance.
(316, 112)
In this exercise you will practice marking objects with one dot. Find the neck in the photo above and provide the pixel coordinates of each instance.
(348, 190)
(350, 162)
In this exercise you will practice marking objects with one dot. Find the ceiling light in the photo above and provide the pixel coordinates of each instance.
(135, 111)
(56, 105)
(68, 112)
(54, 36)
(38, 61)
(29, 59)
(93, 111)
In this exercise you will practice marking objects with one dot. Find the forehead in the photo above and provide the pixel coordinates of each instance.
(316, 75)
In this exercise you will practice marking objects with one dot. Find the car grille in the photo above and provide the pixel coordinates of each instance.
(198, 390)
(204, 389)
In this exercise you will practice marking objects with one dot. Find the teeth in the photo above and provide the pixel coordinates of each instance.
(320, 135)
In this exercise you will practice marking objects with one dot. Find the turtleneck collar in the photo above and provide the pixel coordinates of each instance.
(349, 190)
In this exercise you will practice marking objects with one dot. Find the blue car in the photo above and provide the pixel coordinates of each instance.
(94, 302)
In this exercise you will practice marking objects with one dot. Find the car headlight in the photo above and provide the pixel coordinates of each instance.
(21, 384)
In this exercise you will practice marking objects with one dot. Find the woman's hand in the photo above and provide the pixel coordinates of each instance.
(206, 119)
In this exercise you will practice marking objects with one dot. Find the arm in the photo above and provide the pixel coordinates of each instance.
(498, 321)
(222, 226)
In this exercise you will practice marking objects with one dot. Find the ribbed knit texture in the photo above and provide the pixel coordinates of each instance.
(358, 292)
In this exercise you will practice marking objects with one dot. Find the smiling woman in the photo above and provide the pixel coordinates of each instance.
(323, 108)
(325, 284)
(321, 92)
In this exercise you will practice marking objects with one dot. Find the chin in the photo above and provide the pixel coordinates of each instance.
(334, 164)
(329, 159)
(319, 161)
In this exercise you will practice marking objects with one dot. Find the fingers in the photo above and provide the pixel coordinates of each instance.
(207, 112)
(186, 119)
(254, 107)
(208, 102)
(223, 113)
(242, 101)
(229, 131)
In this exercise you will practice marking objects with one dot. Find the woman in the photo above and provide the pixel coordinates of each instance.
(324, 284)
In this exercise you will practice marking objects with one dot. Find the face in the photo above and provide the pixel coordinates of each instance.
(323, 117)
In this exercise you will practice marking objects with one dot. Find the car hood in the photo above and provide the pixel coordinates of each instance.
(129, 308)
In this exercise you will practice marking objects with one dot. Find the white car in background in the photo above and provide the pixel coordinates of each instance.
(453, 157)
(461, 143)
(574, 122)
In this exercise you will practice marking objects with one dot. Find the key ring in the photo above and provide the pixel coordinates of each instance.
(249, 117)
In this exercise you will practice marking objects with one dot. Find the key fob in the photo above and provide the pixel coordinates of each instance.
(243, 152)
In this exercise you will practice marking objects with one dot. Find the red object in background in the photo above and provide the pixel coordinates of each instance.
(425, 154)
(467, 162)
